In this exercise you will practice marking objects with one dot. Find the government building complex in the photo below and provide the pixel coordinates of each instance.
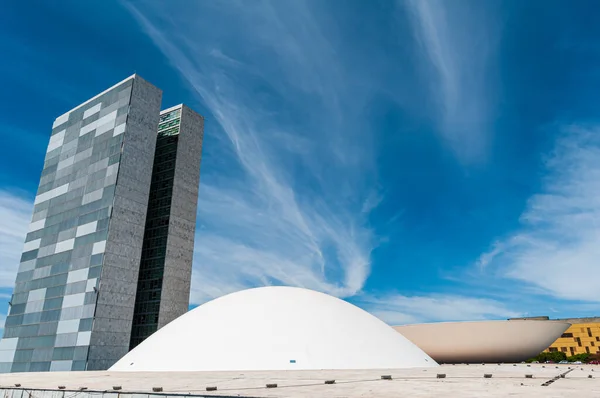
(107, 262)
(107, 259)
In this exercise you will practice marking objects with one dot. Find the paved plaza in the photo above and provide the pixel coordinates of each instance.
(459, 381)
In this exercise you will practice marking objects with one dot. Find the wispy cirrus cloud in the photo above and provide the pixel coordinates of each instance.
(398, 309)
(288, 169)
(15, 213)
(557, 248)
(458, 42)
(486, 258)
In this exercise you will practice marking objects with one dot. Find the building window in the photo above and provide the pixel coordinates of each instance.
(563, 349)
(578, 340)
(553, 349)
(572, 350)
(587, 349)
(567, 335)
(589, 332)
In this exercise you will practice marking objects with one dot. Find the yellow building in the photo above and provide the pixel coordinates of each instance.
(582, 337)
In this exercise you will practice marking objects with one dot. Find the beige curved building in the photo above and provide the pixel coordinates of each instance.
(484, 341)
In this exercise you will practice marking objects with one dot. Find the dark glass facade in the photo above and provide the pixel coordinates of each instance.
(152, 265)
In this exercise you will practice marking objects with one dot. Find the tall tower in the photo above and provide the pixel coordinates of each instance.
(73, 303)
(166, 267)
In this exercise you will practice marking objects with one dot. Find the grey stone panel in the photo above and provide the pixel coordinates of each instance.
(114, 247)
(127, 233)
(114, 311)
(115, 303)
(180, 227)
(99, 364)
(186, 199)
(117, 273)
(120, 291)
(107, 339)
(135, 157)
(123, 207)
(131, 190)
(105, 347)
(112, 324)
(119, 261)
(100, 351)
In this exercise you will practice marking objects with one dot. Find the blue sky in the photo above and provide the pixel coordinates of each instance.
(426, 160)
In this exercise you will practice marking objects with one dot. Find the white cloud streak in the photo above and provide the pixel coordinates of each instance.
(15, 213)
(397, 309)
(291, 200)
(557, 248)
(486, 258)
(457, 42)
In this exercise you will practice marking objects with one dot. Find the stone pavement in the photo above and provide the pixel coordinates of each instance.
(459, 381)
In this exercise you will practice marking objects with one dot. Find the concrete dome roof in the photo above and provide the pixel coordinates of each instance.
(274, 328)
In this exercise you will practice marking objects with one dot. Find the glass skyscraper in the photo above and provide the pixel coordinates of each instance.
(165, 269)
(93, 225)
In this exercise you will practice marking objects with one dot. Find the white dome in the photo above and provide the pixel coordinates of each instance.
(274, 328)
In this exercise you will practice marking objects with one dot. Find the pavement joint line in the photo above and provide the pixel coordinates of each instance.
(558, 377)
(312, 384)
(320, 383)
